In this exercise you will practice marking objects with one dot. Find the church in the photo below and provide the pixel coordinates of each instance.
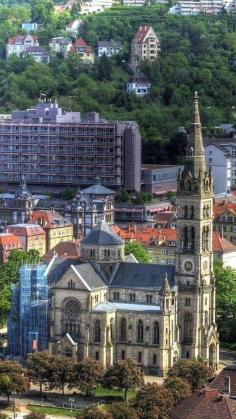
(110, 307)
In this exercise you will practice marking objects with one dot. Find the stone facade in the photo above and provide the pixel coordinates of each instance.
(110, 307)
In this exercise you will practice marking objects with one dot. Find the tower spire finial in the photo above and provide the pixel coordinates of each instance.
(199, 155)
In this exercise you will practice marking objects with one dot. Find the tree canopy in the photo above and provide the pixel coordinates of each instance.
(139, 252)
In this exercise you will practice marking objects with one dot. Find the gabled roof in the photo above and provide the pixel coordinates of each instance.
(66, 250)
(26, 230)
(141, 275)
(102, 235)
(142, 33)
(221, 245)
(204, 404)
(80, 43)
(20, 39)
(219, 381)
(57, 267)
(36, 50)
(49, 219)
(97, 189)
(89, 276)
(10, 239)
(222, 207)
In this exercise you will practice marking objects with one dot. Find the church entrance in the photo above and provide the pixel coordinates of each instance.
(212, 355)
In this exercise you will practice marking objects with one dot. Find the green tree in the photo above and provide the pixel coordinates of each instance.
(104, 68)
(39, 368)
(138, 251)
(179, 388)
(124, 375)
(86, 375)
(196, 372)
(61, 372)
(94, 412)
(12, 378)
(153, 401)
(41, 10)
(122, 410)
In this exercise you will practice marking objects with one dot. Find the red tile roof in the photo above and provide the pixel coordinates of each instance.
(10, 239)
(26, 230)
(219, 381)
(66, 250)
(141, 33)
(205, 404)
(221, 207)
(146, 236)
(221, 245)
(49, 219)
(20, 39)
(80, 43)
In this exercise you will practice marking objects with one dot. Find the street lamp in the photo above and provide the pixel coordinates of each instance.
(14, 406)
(71, 400)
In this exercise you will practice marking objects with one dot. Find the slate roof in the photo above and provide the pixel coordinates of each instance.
(58, 268)
(90, 276)
(97, 189)
(204, 404)
(141, 275)
(102, 235)
(109, 44)
(111, 306)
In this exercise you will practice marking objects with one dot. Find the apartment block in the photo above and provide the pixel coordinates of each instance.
(61, 149)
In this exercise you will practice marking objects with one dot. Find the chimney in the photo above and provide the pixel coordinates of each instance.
(211, 393)
(227, 385)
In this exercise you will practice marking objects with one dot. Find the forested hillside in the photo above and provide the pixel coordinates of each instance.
(197, 53)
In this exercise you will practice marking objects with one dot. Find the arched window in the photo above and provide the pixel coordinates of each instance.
(188, 328)
(123, 329)
(206, 318)
(189, 186)
(140, 331)
(192, 244)
(185, 211)
(203, 239)
(207, 238)
(185, 238)
(97, 331)
(156, 333)
(192, 212)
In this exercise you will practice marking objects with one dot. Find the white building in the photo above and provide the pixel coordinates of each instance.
(224, 251)
(60, 45)
(95, 6)
(73, 27)
(134, 2)
(109, 48)
(39, 54)
(219, 160)
(211, 7)
(19, 44)
(140, 87)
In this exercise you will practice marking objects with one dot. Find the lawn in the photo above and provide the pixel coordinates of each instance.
(107, 393)
(54, 411)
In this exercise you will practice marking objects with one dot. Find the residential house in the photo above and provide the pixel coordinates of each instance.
(19, 44)
(224, 251)
(32, 236)
(8, 242)
(205, 403)
(225, 220)
(60, 45)
(39, 54)
(139, 85)
(95, 6)
(83, 50)
(218, 158)
(31, 27)
(145, 46)
(158, 179)
(135, 3)
(165, 219)
(56, 227)
(73, 27)
(64, 250)
(109, 48)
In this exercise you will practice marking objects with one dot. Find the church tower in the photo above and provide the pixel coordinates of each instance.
(194, 262)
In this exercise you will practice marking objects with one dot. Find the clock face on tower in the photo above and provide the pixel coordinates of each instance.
(188, 265)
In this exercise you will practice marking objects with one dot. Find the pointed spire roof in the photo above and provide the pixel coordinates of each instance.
(165, 289)
(102, 235)
(199, 155)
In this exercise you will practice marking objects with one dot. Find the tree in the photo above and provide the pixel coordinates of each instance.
(124, 375)
(195, 372)
(94, 412)
(179, 388)
(225, 292)
(122, 410)
(35, 415)
(104, 68)
(153, 401)
(39, 368)
(61, 372)
(138, 251)
(41, 10)
(12, 378)
(86, 375)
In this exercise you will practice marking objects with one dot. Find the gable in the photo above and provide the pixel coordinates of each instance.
(70, 279)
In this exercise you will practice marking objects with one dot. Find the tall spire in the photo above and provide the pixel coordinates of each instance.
(199, 155)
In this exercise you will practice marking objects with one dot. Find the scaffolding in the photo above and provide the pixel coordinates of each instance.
(28, 322)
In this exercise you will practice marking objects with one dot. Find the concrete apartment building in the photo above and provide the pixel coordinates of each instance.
(158, 179)
(209, 7)
(61, 149)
